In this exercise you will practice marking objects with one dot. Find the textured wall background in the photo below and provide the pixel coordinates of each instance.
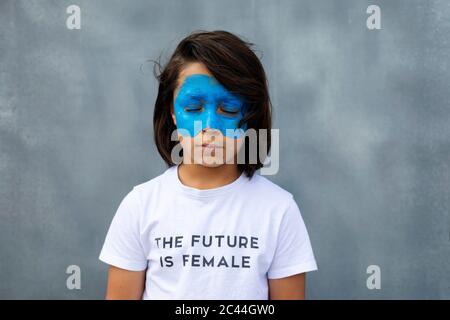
(364, 118)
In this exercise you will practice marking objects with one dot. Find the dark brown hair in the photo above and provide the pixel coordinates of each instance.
(234, 64)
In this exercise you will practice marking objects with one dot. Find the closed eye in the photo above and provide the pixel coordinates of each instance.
(228, 110)
(193, 108)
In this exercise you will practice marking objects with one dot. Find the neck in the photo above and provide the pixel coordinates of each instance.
(202, 177)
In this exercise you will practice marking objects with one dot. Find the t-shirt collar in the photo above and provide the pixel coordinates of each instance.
(202, 193)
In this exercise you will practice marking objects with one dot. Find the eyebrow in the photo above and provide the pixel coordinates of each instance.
(231, 100)
(196, 96)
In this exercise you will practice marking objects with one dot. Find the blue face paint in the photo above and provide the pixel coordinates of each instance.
(202, 102)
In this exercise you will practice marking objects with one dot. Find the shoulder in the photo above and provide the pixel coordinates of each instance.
(153, 186)
(269, 192)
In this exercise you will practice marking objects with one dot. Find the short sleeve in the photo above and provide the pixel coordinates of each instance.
(293, 253)
(122, 247)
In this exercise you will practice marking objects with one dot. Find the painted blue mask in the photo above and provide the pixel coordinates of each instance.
(202, 102)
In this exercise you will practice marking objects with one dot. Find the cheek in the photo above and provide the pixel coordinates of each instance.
(186, 142)
(233, 144)
(184, 118)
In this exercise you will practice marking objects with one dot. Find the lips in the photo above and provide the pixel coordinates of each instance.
(211, 145)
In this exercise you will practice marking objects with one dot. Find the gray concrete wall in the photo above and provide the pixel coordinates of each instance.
(363, 116)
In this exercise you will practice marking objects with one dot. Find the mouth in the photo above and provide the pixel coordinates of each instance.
(210, 146)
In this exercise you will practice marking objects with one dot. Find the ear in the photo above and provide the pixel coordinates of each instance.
(173, 114)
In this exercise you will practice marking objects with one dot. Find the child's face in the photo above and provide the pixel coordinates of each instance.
(205, 112)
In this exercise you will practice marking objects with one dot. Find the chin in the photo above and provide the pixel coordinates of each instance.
(212, 162)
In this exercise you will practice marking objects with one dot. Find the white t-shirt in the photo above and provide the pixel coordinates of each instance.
(220, 243)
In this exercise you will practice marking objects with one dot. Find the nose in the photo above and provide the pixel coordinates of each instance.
(210, 119)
